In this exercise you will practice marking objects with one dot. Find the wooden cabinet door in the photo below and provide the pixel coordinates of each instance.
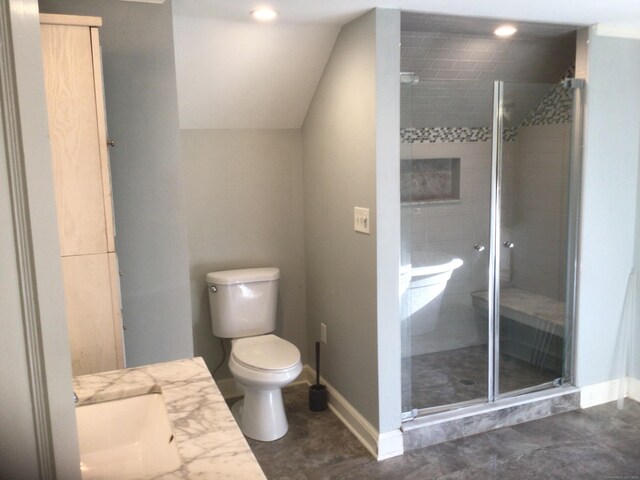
(116, 302)
(96, 342)
(75, 138)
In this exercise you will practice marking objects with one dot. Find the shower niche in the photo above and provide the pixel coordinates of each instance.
(430, 180)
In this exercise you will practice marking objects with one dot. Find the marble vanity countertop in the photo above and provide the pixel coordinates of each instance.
(209, 440)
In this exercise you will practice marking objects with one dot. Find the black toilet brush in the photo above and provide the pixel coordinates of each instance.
(317, 392)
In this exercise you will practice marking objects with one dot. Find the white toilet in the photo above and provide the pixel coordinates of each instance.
(243, 308)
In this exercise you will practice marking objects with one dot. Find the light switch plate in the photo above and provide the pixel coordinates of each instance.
(361, 222)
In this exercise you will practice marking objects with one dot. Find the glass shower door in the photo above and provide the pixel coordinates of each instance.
(446, 197)
(533, 237)
(489, 240)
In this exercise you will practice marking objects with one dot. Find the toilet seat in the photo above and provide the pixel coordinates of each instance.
(267, 353)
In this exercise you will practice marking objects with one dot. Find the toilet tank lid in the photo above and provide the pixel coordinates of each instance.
(244, 275)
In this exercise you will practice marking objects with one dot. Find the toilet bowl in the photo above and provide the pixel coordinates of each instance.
(243, 308)
(262, 366)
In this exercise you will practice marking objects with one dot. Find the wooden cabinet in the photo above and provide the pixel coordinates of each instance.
(82, 180)
(90, 312)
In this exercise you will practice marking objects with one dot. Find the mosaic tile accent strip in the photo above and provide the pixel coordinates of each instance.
(570, 73)
(556, 107)
(445, 135)
(510, 134)
(453, 134)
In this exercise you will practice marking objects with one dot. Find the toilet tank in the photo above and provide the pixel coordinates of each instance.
(243, 302)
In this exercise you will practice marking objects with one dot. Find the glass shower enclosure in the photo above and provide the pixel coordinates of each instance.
(489, 210)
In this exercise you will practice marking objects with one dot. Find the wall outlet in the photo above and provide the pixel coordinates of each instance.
(323, 333)
(361, 219)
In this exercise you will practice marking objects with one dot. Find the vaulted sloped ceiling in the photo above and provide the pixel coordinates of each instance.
(246, 75)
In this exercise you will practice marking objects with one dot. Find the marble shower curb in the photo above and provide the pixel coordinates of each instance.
(443, 427)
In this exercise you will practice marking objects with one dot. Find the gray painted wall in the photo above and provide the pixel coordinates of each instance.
(244, 198)
(346, 164)
(612, 143)
(18, 455)
(339, 154)
(388, 217)
(148, 187)
(17, 437)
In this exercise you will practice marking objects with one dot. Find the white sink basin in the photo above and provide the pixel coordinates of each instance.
(127, 439)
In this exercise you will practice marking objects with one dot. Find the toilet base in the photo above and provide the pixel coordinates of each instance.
(261, 414)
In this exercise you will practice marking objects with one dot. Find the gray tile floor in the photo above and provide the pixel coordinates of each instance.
(598, 443)
(458, 375)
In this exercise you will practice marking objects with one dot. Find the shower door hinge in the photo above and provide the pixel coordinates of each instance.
(410, 415)
(560, 382)
(573, 83)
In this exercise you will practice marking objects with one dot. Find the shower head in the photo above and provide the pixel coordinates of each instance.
(409, 78)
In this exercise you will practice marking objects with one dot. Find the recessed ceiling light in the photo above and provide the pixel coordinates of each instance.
(264, 14)
(505, 30)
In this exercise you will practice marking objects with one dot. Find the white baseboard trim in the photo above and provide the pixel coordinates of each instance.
(610, 391)
(390, 444)
(633, 388)
(380, 445)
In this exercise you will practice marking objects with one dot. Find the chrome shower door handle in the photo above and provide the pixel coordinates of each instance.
(508, 244)
(478, 247)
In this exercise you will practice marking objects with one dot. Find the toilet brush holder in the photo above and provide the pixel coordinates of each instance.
(317, 398)
(317, 392)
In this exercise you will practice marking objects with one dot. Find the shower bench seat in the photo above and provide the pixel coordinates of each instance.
(536, 311)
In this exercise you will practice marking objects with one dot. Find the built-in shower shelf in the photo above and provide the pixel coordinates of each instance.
(536, 311)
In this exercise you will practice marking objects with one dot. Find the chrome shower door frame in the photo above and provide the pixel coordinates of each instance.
(493, 370)
(495, 244)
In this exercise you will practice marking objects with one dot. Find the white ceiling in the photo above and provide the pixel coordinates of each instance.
(338, 12)
(235, 73)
